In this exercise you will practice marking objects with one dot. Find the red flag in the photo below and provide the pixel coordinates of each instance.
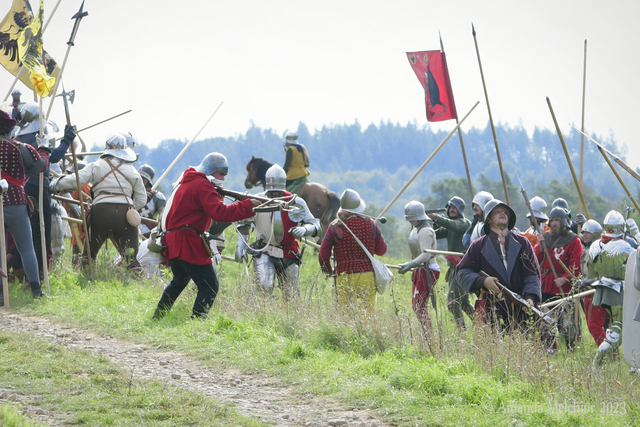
(431, 68)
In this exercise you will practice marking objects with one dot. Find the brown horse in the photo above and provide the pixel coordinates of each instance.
(323, 203)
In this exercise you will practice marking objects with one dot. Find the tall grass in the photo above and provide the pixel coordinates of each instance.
(472, 377)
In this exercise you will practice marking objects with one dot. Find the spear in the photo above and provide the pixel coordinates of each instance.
(96, 124)
(164, 174)
(464, 153)
(493, 128)
(426, 162)
(584, 84)
(617, 159)
(604, 153)
(566, 153)
(78, 17)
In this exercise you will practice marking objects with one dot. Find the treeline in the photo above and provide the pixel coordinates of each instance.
(378, 160)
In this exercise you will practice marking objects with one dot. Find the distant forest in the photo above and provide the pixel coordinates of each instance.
(377, 161)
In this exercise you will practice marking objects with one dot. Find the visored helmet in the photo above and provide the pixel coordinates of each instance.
(147, 172)
(613, 224)
(562, 214)
(481, 198)
(116, 146)
(538, 205)
(351, 200)
(592, 226)
(30, 121)
(212, 163)
(490, 206)
(414, 211)
(457, 202)
(275, 179)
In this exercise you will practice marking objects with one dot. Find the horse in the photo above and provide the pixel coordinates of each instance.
(322, 202)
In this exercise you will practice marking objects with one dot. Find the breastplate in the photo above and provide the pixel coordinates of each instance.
(414, 243)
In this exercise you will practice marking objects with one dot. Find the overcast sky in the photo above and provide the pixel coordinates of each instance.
(276, 63)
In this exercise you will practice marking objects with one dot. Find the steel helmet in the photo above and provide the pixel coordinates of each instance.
(592, 226)
(116, 146)
(275, 178)
(81, 165)
(538, 205)
(30, 121)
(350, 200)
(562, 214)
(212, 163)
(291, 137)
(481, 198)
(16, 92)
(560, 202)
(132, 142)
(147, 172)
(490, 206)
(414, 211)
(613, 224)
(457, 202)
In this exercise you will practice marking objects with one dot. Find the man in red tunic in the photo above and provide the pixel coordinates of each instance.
(564, 247)
(192, 206)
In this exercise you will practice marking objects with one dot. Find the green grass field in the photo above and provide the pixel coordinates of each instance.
(471, 378)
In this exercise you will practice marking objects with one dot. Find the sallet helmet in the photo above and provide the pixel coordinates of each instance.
(538, 205)
(16, 92)
(291, 137)
(132, 142)
(212, 163)
(560, 202)
(81, 165)
(275, 179)
(592, 226)
(457, 202)
(414, 211)
(562, 214)
(481, 198)
(613, 224)
(351, 200)
(116, 146)
(490, 206)
(147, 172)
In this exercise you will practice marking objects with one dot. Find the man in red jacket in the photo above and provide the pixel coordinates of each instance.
(190, 210)
(564, 247)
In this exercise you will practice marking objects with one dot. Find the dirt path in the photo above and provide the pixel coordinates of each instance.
(253, 395)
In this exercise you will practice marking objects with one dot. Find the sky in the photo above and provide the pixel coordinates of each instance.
(277, 63)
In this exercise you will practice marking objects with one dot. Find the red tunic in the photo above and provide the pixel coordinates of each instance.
(195, 205)
(350, 258)
(570, 255)
(13, 171)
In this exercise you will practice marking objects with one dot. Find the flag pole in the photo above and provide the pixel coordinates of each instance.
(78, 17)
(43, 239)
(22, 67)
(464, 153)
(426, 162)
(493, 128)
(566, 153)
(3, 249)
(584, 85)
(164, 174)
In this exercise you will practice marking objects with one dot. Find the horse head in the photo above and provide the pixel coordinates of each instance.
(255, 172)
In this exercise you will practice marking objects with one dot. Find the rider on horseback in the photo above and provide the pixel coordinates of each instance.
(296, 163)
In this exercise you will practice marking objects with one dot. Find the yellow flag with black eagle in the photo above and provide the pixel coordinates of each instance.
(21, 43)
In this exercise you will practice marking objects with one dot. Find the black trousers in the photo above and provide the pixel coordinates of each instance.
(204, 276)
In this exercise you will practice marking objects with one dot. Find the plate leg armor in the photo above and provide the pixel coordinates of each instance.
(266, 272)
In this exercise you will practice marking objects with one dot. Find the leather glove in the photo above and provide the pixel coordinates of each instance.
(633, 227)
(69, 133)
(298, 231)
(407, 266)
(580, 219)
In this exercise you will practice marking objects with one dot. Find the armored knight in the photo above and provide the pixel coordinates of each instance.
(276, 251)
